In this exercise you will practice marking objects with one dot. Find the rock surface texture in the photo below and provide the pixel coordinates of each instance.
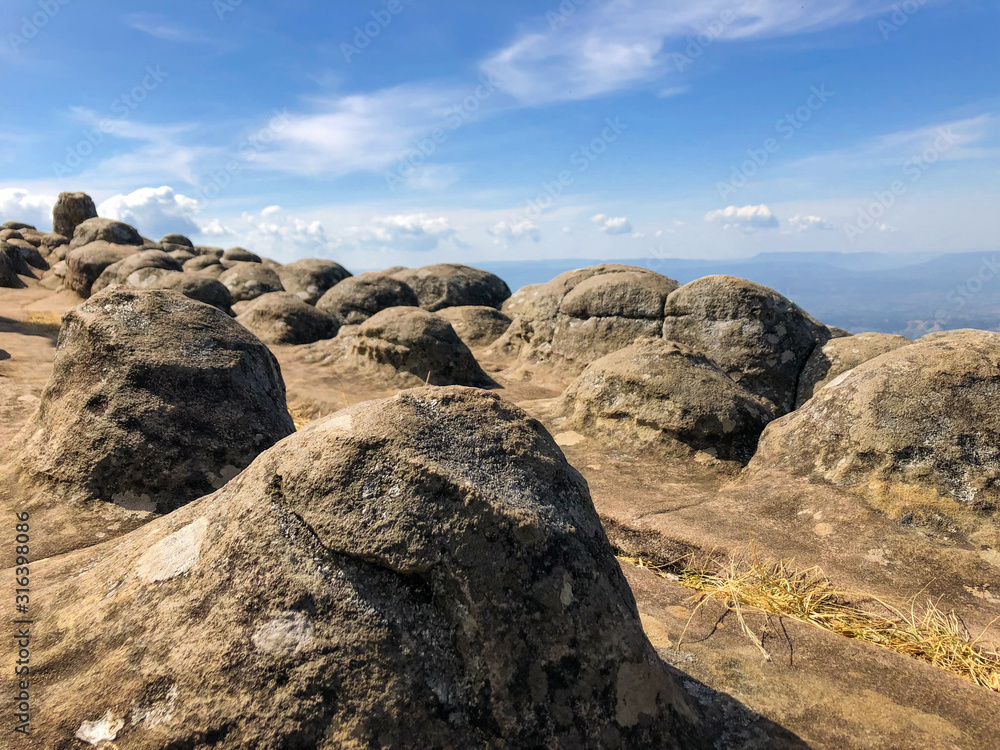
(476, 325)
(71, 210)
(357, 298)
(425, 571)
(283, 318)
(310, 278)
(756, 335)
(664, 392)
(841, 354)
(916, 430)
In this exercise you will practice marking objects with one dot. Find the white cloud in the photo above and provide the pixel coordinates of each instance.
(415, 232)
(887, 228)
(153, 211)
(615, 44)
(366, 132)
(270, 211)
(513, 230)
(637, 235)
(747, 218)
(215, 228)
(807, 223)
(612, 225)
(20, 205)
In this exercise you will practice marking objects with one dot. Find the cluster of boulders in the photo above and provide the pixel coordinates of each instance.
(420, 571)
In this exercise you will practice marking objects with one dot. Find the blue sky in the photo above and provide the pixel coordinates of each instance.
(417, 131)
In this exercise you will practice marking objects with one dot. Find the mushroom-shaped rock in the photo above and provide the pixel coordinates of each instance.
(196, 286)
(915, 430)
(755, 334)
(105, 230)
(240, 255)
(154, 400)
(357, 298)
(451, 284)
(176, 239)
(476, 325)
(84, 265)
(424, 571)
(418, 343)
(838, 355)
(249, 280)
(310, 278)
(657, 391)
(585, 314)
(71, 210)
(119, 271)
(283, 318)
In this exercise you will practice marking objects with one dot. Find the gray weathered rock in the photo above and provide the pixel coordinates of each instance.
(425, 571)
(202, 263)
(8, 269)
(755, 334)
(104, 230)
(196, 286)
(357, 298)
(476, 325)
(283, 318)
(71, 210)
(118, 272)
(916, 431)
(176, 239)
(310, 278)
(840, 354)
(661, 392)
(84, 265)
(452, 284)
(240, 255)
(249, 280)
(418, 342)
(154, 400)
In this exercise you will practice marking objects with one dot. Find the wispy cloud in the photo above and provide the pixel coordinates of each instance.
(157, 25)
(617, 44)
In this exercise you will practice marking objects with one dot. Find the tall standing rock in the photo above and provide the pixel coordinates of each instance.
(425, 571)
(71, 210)
(154, 400)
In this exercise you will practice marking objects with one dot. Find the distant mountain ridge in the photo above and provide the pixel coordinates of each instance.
(908, 295)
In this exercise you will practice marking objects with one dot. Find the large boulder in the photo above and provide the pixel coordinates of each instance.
(585, 314)
(357, 298)
(425, 571)
(84, 265)
(240, 255)
(916, 431)
(310, 278)
(249, 280)
(476, 325)
(176, 239)
(838, 355)
(203, 263)
(283, 318)
(420, 345)
(118, 272)
(154, 400)
(452, 284)
(16, 225)
(755, 334)
(195, 286)
(71, 210)
(661, 392)
(16, 257)
(30, 253)
(105, 230)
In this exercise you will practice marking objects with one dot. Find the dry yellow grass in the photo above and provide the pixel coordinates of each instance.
(923, 632)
